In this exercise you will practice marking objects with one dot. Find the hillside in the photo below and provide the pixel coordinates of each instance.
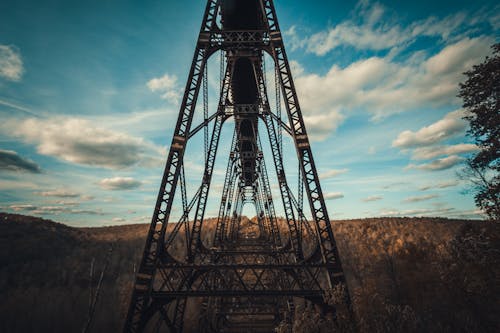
(405, 274)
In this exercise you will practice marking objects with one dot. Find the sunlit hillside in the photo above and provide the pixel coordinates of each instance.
(404, 274)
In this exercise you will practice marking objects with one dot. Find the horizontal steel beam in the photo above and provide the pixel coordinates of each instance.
(222, 266)
(167, 296)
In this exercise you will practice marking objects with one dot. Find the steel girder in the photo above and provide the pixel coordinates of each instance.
(315, 196)
(235, 268)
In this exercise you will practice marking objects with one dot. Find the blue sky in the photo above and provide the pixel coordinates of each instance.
(89, 95)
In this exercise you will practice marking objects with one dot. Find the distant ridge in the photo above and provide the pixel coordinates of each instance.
(441, 270)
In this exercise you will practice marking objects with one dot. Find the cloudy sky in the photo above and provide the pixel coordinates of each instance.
(90, 90)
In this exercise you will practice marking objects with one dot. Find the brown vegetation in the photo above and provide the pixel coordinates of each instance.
(404, 275)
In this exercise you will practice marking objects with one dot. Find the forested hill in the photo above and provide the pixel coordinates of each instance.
(404, 275)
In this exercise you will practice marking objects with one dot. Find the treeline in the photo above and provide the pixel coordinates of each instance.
(404, 275)
(417, 275)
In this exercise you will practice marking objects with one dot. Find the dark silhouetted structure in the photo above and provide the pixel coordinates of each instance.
(246, 277)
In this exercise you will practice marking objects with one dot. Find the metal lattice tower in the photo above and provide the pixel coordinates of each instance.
(246, 278)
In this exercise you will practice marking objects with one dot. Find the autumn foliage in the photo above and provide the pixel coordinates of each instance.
(404, 275)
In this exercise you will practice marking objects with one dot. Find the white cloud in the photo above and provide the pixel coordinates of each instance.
(60, 193)
(26, 207)
(48, 210)
(339, 86)
(375, 27)
(468, 214)
(65, 193)
(320, 126)
(11, 64)
(167, 86)
(451, 125)
(364, 36)
(296, 68)
(458, 57)
(445, 184)
(447, 211)
(119, 183)
(437, 165)
(372, 198)
(381, 85)
(426, 153)
(86, 211)
(333, 173)
(333, 195)
(389, 212)
(293, 39)
(80, 141)
(384, 87)
(424, 143)
(142, 219)
(11, 161)
(53, 210)
(17, 184)
(395, 185)
(67, 203)
(420, 198)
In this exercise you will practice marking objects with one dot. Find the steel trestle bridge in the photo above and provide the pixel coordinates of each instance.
(247, 278)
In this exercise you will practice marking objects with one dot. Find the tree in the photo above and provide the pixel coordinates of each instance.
(481, 99)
